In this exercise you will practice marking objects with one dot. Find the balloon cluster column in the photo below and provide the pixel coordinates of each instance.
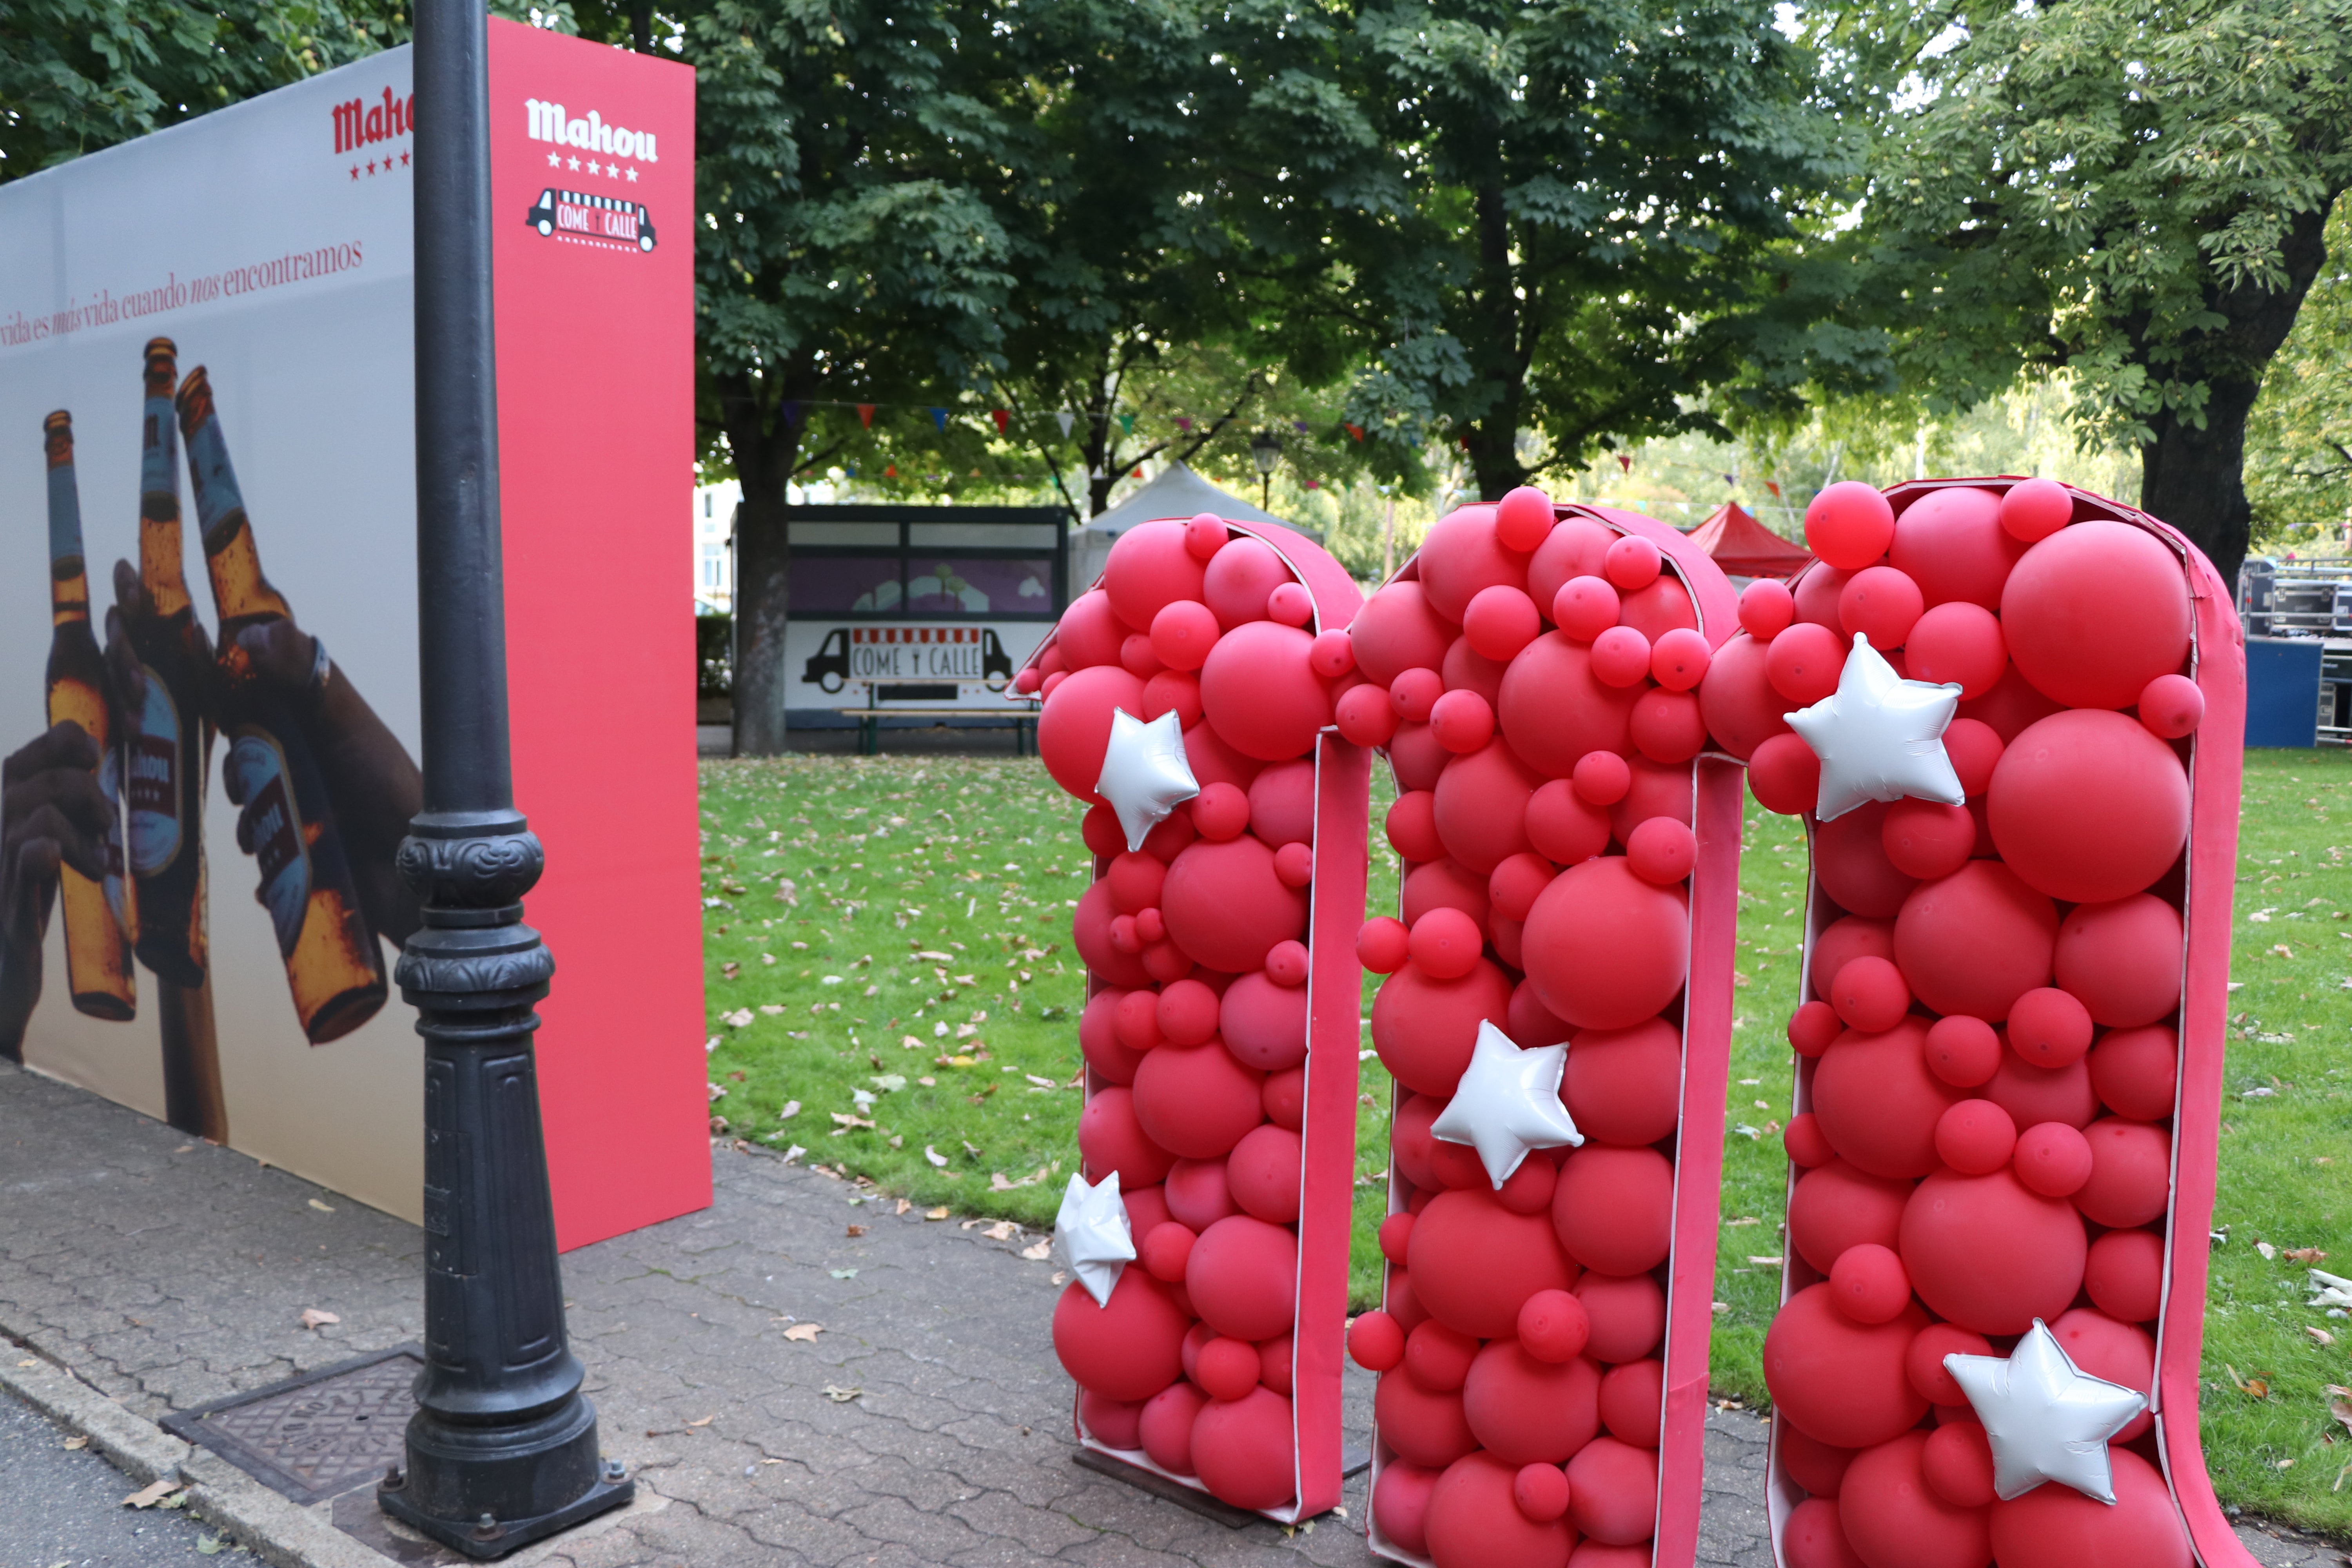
(2011, 713)
(1557, 1017)
(1188, 699)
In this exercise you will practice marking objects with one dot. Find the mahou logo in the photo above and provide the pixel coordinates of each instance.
(592, 133)
(359, 122)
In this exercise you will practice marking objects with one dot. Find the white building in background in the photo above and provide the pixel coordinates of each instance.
(714, 547)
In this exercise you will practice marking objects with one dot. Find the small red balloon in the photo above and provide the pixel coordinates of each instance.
(1396, 630)
(1868, 1285)
(1663, 852)
(1286, 962)
(2054, 1159)
(1522, 519)
(1376, 1341)
(2135, 1072)
(1631, 1400)
(1624, 1086)
(1839, 1206)
(1679, 659)
(1220, 812)
(1804, 662)
(1415, 692)
(1923, 1362)
(1976, 941)
(1462, 722)
(1541, 1492)
(1205, 535)
(1621, 658)
(1182, 633)
(1444, 881)
(1400, 1504)
(1850, 861)
(1111, 1421)
(1807, 1145)
(2095, 611)
(1974, 747)
(1881, 603)
(1263, 1173)
(1989, 1253)
(1765, 608)
(1227, 1368)
(1500, 621)
(1893, 1516)
(1290, 604)
(1869, 995)
(2131, 1173)
(2088, 807)
(1601, 778)
(1976, 1137)
(1294, 865)
(1411, 826)
(1627, 1313)
(1285, 1097)
(1365, 715)
(1382, 944)
(1197, 1101)
(1089, 632)
(1446, 944)
(1562, 827)
(1576, 547)
(1814, 1463)
(1425, 1427)
(1111, 1139)
(2033, 1095)
(1815, 1537)
(1173, 691)
(1553, 1326)
(1668, 726)
(1165, 1427)
(1813, 1027)
(2124, 1275)
(1785, 774)
(1737, 698)
(1264, 1024)
(1927, 838)
(1584, 607)
(1238, 579)
(2171, 706)
(1849, 525)
(1198, 1195)
(1165, 1251)
(1632, 561)
(2048, 1027)
(1613, 1209)
(2122, 960)
(1605, 950)
(1516, 883)
(1959, 643)
(2035, 509)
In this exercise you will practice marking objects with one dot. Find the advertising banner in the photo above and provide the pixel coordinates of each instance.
(207, 468)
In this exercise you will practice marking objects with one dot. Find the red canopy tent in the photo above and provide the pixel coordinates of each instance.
(1744, 547)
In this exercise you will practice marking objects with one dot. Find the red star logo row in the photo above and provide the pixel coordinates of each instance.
(386, 161)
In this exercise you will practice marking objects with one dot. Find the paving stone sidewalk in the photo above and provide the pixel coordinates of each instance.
(928, 1423)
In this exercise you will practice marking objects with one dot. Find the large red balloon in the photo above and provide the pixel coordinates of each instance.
(1226, 906)
(2088, 807)
(1148, 568)
(1165, 1427)
(1527, 1411)
(1612, 1492)
(1554, 709)
(2056, 1526)
(1951, 544)
(1989, 1254)
(1243, 1449)
(1737, 698)
(1424, 1028)
(1400, 1504)
(1850, 861)
(1614, 1208)
(1129, 1348)
(1074, 727)
(1576, 547)
(1881, 602)
(1605, 949)
(1849, 525)
(2095, 611)
(1282, 804)
(1259, 694)
(1426, 1427)
(1242, 1278)
(1198, 1194)
(1212, 761)
(2134, 1071)
(1958, 643)
(1624, 1086)
(1482, 805)
(1473, 1522)
(1814, 1463)
(1839, 1381)
(1814, 1536)
(1398, 630)
(1474, 1263)
(1196, 1102)
(1263, 1025)
(2122, 960)
(1976, 941)
(1838, 1206)
(1895, 1520)
(1460, 555)
(1090, 632)
(1879, 1103)
(1924, 1361)
(1661, 605)
(1111, 1139)
(1626, 1314)
(1111, 1421)
(1238, 579)
(2131, 1173)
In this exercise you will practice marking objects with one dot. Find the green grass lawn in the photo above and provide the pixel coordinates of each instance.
(899, 928)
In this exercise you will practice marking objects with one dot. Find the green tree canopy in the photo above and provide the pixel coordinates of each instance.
(2299, 436)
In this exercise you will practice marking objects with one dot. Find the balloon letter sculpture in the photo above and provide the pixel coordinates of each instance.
(1557, 1017)
(1188, 699)
(2011, 713)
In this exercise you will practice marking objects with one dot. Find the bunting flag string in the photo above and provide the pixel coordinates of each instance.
(796, 413)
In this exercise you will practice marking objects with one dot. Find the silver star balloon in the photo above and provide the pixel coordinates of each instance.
(1508, 1103)
(2047, 1419)
(1879, 736)
(1145, 773)
(1093, 1235)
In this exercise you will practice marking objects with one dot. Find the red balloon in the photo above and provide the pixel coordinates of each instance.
(1850, 862)
(1243, 1450)
(1624, 1086)
(1111, 1421)
(2171, 706)
(1461, 554)
(1554, 708)
(1621, 658)
(1525, 1410)
(1576, 547)
(1974, 747)
(1540, 1491)
(1839, 1380)
(1562, 827)
(1816, 592)
(1197, 1101)
(1627, 1314)
(1815, 1537)
(1976, 1137)
(1605, 950)
(1662, 852)
(1134, 881)
(1501, 620)
(1382, 944)
(1226, 906)
(1365, 715)
(1662, 608)
(1804, 662)
(1613, 1209)
(1446, 944)
(1679, 659)
(1438, 1358)
(1868, 1284)
(1741, 709)
(2124, 1275)
(1523, 519)
(1073, 726)
(1128, 1349)
(1923, 1362)
(1173, 691)
(1475, 1520)
(1376, 1341)
(1415, 692)
(1187, 1013)
(1204, 534)
(1765, 608)
(1182, 634)
(2131, 1173)
(1282, 804)
(1395, 1233)
(1242, 1278)
(1165, 1251)
(2134, 1071)
(1146, 1209)
(1667, 726)
(1264, 1024)
(1632, 1399)
(1445, 883)
(1165, 1427)
(1111, 1059)
(1290, 604)
(1837, 1207)
(2088, 807)
(1553, 1326)
(1877, 1101)
(1480, 806)
(1333, 655)
(1467, 669)
(1785, 774)
(1849, 525)
(1516, 883)
(1880, 602)
(2095, 611)
(1148, 568)
(1632, 561)
(1585, 607)
(1989, 1254)
(1612, 1491)
(1226, 1368)
(1869, 995)
(1400, 1504)
(1950, 541)
(2058, 1527)
(1411, 826)
(1264, 1171)
(2036, 508)
(1214, 762)
(1959, 643)
(2009, 707)
(1814, 1463)
(1396, 630)
(2118, 1351)
(2033, 1095)
(1401, 1303)
(1475, 1262)
(1426, 1427)
(1286, 962)
(1601, 778)
(1285, 1098)
(1111, 1139)
(1976, 941)
(1808, 1146)
(1424, 1027)
(1259, 694)
(1238, 579)
(1090, 632)
(1410, 1140)
(2122, 960)
(1894, 1519)
(1927, 838)
(1198, 1194)
(2048, 1027)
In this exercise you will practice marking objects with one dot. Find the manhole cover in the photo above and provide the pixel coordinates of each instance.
(318, 1435)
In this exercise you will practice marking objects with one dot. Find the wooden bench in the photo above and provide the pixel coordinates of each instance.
(1023, 721)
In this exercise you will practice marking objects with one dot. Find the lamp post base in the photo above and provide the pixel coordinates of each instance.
(489, 1491)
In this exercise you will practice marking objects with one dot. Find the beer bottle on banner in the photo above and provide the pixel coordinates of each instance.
(332, 964)
(166, 759)
(99, 917)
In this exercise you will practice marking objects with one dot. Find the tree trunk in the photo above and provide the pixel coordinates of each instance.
(2193, 476)
(1493, 442)
(765, 446)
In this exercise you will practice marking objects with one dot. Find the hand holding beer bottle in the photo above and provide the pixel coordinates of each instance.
(53, 816)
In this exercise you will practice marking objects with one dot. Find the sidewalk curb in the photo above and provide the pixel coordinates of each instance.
(276, 1531)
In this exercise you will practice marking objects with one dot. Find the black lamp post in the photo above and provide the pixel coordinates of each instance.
(502, 1450)
(1267, 450)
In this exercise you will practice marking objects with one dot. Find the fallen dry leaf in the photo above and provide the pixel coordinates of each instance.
(152, 1493)
(1037, 1254)
(322, 1208)
(2253, 1388)
(2319, 1336)
(28, 1360)
(75, 1443)
(903, 1207)
(1773, 1262)
(706, 1420)
(938, 1212)
(1003, 1230)
(312, 1318)
(2306, 1253)
(854, 1230)
(842, 1395)
(804, 1333)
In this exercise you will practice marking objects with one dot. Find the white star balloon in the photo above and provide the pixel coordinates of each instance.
(1145, 773)
(1879, 736)
(1093, 1235)
(1508, 1103)
(2047, 1419)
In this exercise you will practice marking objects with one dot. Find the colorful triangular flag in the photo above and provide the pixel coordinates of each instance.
(1625, 461)
(1127, 423)
(866, 414)
(1065, 419)
(1355, 430)
(792, 411)
(939, 418)
(1184, 423)
(1774, 488)
(1003, 418)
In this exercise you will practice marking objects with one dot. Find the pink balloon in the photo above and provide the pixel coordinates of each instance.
(1602, 778)
(1424, 1027)
(1839, 1381)
(1868, 1285)
(2124, 1275)
(1243, 1449)
(2054, 1159)
(1667, 726)
(1989, 1253)
(1463, 721)
(1475, 1262)
(1849, 525)
(1975, 1137)
(1461, 556)
(1632, 561)
(1844, 941)
(1225, 905)
(1662, 852)
(1612, 1492)
(1958, 642)
(1501, 620)
(1204, 534)
(1951, 542)
(1927, 838)
(1125, 1350)
(1263, 1171)
(1446, 944)
(1074, 727)
(1263, 1024)
(2095, 611)
(1765, 608)
(2087, 805)
(1814, 1463)
(2035, 510)
(1869, 995)
(1226, 1369)
(2131, 1173)
(1148, 568)
(1239, 578)
(1182, 633)
(2033, 1095)
(1290, 604)
(1881, 603)
(2049, 1028)
(1554, 709)
(1631, 1402)
(1112, 1061)
(1173, 691)
(1976, 941)
(1365, 714)
(1605, 950)
(1259, 694)
(1553, 1326)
